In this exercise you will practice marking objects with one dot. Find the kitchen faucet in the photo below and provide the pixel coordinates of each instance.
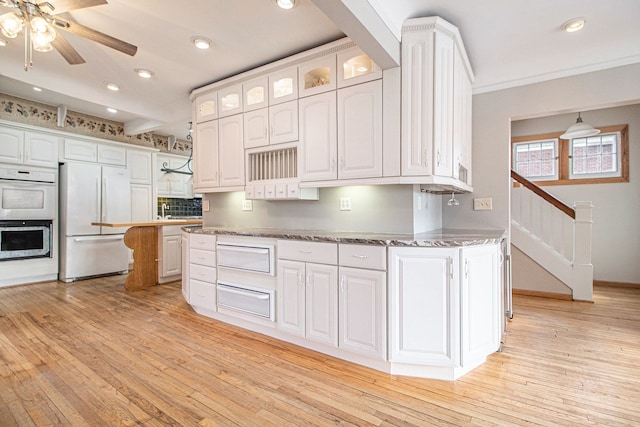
(164, 207)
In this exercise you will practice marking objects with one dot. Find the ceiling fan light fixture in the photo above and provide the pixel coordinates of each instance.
(286, 4)
(145, 74)
(10, 25)
(580, 130)
(573, 25)
(201, 42)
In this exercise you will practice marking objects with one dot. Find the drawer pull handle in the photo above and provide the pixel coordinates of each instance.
(305, 252)
(360, 256)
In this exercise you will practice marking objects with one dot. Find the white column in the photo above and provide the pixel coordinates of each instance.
(582, 267)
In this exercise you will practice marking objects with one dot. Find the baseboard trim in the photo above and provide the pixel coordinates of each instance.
(540, 294)
(616, 284)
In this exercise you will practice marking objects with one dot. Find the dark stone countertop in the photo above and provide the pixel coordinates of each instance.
(436, 238)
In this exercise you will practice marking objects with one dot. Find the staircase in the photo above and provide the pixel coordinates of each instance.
(554, 235)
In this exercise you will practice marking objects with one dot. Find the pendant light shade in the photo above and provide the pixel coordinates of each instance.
(580, 130)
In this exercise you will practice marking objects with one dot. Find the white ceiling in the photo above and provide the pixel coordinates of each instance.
(509, 42)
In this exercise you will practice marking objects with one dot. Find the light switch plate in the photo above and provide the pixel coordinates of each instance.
(205, 206)
(345, 203)
(484, 204)
(247, 205)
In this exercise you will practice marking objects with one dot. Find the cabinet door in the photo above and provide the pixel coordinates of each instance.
(171, 256)
(206, 107)
(41, 150)
(283, 86)
(461, 121)
(283, 122)
(423, 306)
(256, 128)
(480, 298)
(443, 106)
(142, 203)
(163, 187)
(231, 152)
(360, 131)
(355, 67)
(80, 150)
(184, 247)
(318, 137)
(178, 183)
(291, 297)
(317, 76)
(322, 303)
(112, 155)
(230, 100)
(205, 154)
(11, 145)
(363, 308)
(256, 94)
(140, 165)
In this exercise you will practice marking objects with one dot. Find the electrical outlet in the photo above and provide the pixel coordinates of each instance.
(205, 206)
(345, 203)
(484, 204)
(247, 205)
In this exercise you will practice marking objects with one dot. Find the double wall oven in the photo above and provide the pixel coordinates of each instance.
(27, 212)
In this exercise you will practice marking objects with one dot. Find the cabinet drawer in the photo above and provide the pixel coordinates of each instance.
(321, 253)
(202, 294)
(203, 241)
(201, 257)
(363, 256)
(202, 273)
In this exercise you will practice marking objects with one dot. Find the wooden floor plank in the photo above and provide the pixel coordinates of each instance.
(91, 353)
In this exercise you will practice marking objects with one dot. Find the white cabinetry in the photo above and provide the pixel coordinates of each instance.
(360, 131)
(230, 100)
(435, 97)
(184, 246)
(142, 203)
(140, 166)
(283, 86)
(170, 252)
(206, 107)
(202, 272)
(174, 185)
(318, 149)
(443, 307)
(273, 125)
(355, 67)
(317, 76)
(28, 148)
(231, 152)
(205, 155)
(256, 94)
(362, 300)
(308, 290)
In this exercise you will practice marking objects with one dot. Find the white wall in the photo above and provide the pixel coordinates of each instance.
(492, 116)
(616, 228)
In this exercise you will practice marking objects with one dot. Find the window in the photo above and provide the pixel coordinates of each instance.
(549, 160)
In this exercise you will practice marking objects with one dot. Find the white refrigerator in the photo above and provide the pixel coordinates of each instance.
(93, 193)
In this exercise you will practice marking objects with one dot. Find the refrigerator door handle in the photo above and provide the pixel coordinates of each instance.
(104, 198)
(98, 217)
(99, 239)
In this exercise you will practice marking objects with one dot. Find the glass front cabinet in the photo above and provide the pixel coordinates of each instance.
(230, 99)
(354, 67)
(283, 86)
(317, 76)
(256, 94)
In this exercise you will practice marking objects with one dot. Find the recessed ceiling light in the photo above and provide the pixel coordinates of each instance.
(3, 42)
(112, 86)
(37, 89)
(112, 110)
(573, 25)
(201, 42)
(145, 74)
(286, 4)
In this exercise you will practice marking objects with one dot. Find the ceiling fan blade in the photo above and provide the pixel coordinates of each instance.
(98, 37)
(67, 51)
(62, 6)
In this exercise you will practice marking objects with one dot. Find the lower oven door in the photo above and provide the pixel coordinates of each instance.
(246, 299)
(25, 239)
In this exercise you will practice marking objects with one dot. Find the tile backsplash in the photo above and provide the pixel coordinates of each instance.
(180, 207)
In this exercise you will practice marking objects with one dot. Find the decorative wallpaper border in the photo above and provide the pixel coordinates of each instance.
(46, 116)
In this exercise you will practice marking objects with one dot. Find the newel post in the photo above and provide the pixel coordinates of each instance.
(582, 267)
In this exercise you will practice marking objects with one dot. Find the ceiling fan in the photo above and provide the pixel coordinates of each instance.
(42, 24)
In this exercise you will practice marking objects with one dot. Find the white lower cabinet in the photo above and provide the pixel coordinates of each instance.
(202, 272)
(185, 266)
(170, 252)
(444, 306)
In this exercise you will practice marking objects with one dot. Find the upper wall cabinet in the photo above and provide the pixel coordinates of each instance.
(435, 72)
(206, 107)
(317, 76)
(28, 148)
(256, 93)
(354, 67)
(230, 100)
(283, 86)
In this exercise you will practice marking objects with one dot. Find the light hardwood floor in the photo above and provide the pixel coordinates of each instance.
(91, 354)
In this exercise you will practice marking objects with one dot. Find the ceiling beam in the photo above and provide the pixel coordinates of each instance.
(362, 24)
(138, 126)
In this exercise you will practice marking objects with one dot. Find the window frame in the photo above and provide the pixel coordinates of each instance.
(556, 149)
(564, 146)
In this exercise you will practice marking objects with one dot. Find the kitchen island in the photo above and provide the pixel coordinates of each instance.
(142, 238)
(425, 305)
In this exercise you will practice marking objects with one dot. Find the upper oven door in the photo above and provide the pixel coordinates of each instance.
(27, 200)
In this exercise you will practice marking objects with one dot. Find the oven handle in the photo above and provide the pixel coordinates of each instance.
(247, 293)
(98, 239)
(245, 249)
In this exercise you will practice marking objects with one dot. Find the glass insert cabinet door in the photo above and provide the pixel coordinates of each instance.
(256, 93)
(283, 86)
(317, 76)
(355, 66)
(206, 107)
(230, 99)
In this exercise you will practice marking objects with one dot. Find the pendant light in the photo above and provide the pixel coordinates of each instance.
(580, 130)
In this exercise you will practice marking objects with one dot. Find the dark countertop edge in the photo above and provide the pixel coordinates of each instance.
(436, 238)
